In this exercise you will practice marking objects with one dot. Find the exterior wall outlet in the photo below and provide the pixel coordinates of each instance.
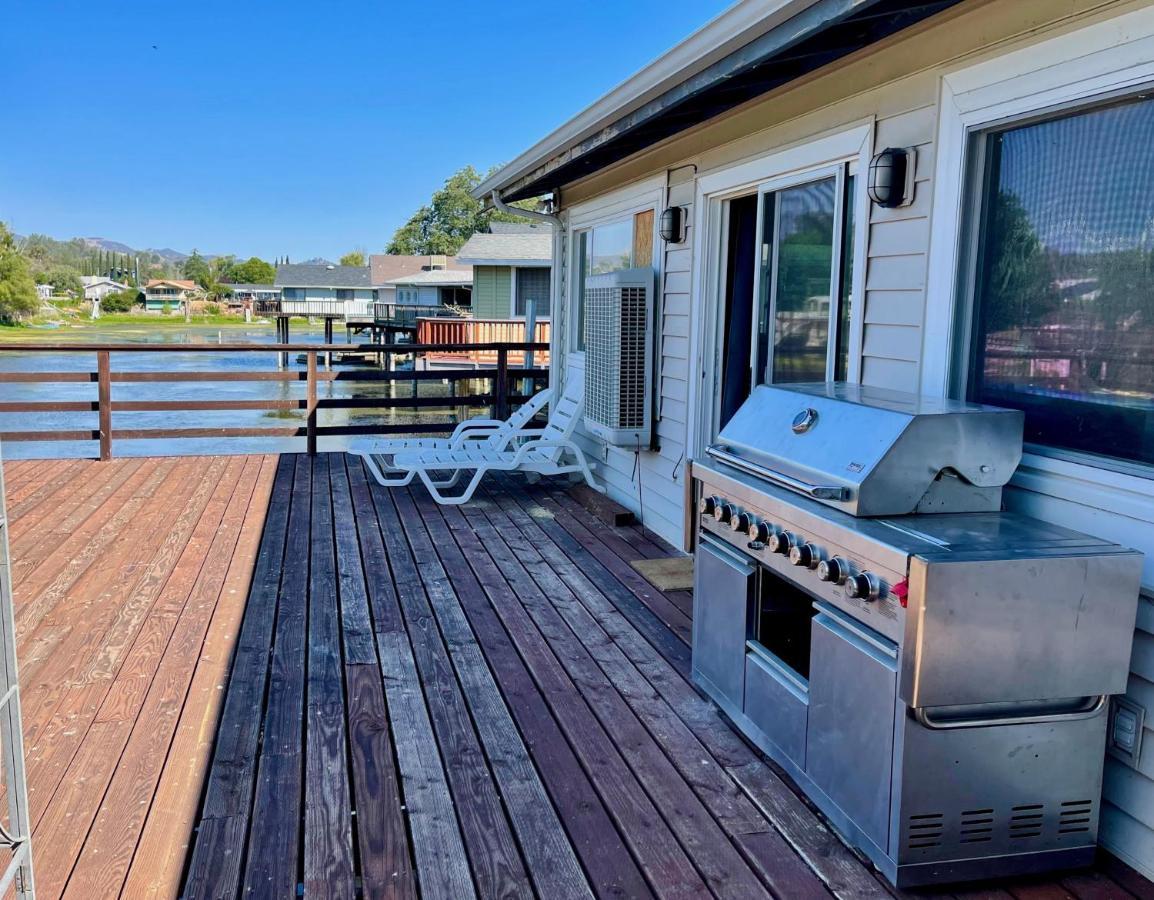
(1124, 735)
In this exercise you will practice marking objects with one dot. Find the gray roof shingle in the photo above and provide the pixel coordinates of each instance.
(524, 248)
(323, 276)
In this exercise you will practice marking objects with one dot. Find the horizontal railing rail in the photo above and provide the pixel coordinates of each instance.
(509, 384)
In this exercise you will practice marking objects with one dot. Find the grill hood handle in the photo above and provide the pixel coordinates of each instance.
(835, 492)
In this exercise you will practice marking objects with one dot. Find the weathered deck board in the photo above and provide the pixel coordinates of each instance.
(276, 676)
(119, 584)
(507, 713)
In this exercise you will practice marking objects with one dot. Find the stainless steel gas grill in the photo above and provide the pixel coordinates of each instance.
(932, 671)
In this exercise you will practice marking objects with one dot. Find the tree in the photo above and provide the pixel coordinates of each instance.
(17, 289)
(253, 271)
(354, 258)
(451, 218)
(64, 279)
(196, 268)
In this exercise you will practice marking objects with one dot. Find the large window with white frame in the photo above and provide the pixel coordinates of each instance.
(1060, 318)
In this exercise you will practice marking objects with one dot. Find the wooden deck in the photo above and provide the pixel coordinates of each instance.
(130, 579)
(422, 701)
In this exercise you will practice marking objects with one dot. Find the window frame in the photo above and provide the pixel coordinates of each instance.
(1104, 62)
(625, 204)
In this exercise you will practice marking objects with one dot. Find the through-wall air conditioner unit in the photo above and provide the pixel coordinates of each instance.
(618, 356)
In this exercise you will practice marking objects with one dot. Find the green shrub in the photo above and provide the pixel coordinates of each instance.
(120, 301)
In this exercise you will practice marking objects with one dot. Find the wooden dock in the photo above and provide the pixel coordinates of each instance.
(443, 702)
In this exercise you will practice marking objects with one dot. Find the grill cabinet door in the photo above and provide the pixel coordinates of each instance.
(850, 738)
(722, 595)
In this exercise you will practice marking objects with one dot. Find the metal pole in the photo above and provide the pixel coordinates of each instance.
(19, 870)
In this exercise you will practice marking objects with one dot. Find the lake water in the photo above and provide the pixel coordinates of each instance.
(12, 359)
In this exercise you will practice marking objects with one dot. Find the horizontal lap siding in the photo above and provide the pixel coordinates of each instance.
(491, 286)
(895, 279)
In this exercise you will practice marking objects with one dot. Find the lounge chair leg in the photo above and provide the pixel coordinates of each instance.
(384, 479)
(465, 497)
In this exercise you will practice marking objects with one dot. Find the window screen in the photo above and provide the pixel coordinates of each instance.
(1064, 294)
(532, 284)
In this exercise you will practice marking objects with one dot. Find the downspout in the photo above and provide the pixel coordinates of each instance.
(525, 213)
(556, 222)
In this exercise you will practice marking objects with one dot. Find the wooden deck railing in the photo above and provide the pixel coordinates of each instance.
(407, 315)
(509, 384)
(477, 333)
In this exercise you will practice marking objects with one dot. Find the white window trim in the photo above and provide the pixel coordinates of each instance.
(786, 165)
(614, 206)
(1096, 61)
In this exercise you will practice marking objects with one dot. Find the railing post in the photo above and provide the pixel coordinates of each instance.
(104, 401)
(311, 404)
(501, 386)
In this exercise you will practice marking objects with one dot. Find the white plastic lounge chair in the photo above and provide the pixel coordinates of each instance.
(488, 432)
(549, 451)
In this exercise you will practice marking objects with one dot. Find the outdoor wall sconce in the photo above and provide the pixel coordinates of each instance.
(673, 225)
(891, 177)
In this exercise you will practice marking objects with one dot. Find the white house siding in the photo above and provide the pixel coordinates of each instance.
(896, 87)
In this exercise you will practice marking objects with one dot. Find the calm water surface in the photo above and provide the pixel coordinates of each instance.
(13, 359)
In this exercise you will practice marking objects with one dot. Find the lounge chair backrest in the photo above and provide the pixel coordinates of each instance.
(528, 410)
(567, 411)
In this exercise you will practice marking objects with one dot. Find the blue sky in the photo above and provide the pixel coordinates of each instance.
(289, 127)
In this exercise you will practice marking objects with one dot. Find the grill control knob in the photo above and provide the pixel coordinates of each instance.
(741, 522)
(834, 570)
(783, 542)
(760, 531)
(723, 511)
(807, 555)
(707, 505)
(863, 586)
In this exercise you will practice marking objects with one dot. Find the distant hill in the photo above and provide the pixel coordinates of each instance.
(316, 261)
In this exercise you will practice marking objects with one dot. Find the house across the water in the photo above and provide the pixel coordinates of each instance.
(165, 293)
(949, 198)
(387, 268)
(512, 265)
(97, 287)
(325, 290)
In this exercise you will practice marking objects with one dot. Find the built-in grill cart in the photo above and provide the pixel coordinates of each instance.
(932, 671)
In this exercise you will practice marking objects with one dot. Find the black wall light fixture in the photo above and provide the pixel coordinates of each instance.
(673, 225)
(891, 177)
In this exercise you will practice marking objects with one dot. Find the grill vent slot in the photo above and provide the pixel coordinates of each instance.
(925, 830)
(1026, 820)
(1075, 816)
(977, 826)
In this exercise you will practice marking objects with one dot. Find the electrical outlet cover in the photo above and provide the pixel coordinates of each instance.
(1124, 735)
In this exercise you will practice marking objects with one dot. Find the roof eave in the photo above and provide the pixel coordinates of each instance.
(736, 26)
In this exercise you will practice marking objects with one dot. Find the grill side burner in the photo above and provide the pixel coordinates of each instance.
(937, 683)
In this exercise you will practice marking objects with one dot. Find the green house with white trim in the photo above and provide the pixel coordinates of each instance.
(512, 264)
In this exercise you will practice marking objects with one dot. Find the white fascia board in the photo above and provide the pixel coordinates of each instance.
(523, 263)
(743, 22)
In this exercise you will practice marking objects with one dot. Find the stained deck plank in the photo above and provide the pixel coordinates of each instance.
(322, 686)
(112, 554)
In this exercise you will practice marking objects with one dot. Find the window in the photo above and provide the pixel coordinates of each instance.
(1063, 312)
(345, 293)
(292, 294)
(532, 284)
(805, 280)
(610, 247)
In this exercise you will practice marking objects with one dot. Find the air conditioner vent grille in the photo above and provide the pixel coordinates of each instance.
(618, 338)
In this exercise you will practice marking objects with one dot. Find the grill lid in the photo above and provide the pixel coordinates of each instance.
(874, 452)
